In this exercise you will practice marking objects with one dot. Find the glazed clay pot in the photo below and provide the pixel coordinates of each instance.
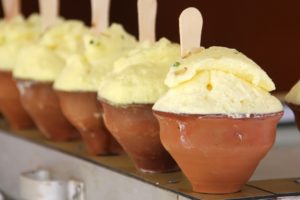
(41, 102)
(137, 130)
(218, 154)
(85, 113)
(10, 104)
(296, 110)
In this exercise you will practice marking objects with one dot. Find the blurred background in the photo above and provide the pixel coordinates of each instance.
(267, 31)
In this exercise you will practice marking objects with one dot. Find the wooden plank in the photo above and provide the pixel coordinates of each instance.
(279, 186)
(184, 188)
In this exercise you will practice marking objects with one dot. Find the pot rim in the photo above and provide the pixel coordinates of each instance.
(6, 71)
(31, 81)
(105, 101)
(233, 116)
(75, 92)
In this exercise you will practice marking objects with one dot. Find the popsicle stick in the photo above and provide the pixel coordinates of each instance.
(147, 17)
(190, 28)
(49, 10)
(11, 8)
(100, 15)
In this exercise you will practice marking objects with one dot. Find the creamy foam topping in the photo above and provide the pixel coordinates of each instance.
(44, 60)
(138, 77)
(85, 71)
(218, 80)
(14, 35)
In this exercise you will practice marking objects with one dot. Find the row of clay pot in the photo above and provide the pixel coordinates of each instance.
(218, 154)
(62, 116)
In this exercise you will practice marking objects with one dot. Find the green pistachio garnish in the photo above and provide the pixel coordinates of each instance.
(95, 43)
(176, 64)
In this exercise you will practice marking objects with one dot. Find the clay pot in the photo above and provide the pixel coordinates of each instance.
(10, 104)
(218, 154)
(41, 102)
(137, 130)
(296, 109)
(85, 113)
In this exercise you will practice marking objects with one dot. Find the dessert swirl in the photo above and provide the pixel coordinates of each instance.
(218, 80)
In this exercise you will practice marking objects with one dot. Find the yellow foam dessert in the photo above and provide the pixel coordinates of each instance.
(218, 80)
(85, 71)
(65, 38)
(293, 95)
(14, 35)
(44, 60)
(138, 77)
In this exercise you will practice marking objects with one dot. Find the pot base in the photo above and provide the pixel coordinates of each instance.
(215, 188)
(137, 130)
(84, 112)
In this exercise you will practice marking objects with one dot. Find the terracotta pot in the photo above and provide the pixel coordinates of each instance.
(296, 109)
(218, 154)
(10, 103)
(137, 130)
(85, 113)
(41, 102)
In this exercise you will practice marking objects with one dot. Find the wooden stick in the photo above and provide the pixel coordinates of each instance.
(49, 10)
(190, 28)
(147, 17)
(11, 8)
(100, 15)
